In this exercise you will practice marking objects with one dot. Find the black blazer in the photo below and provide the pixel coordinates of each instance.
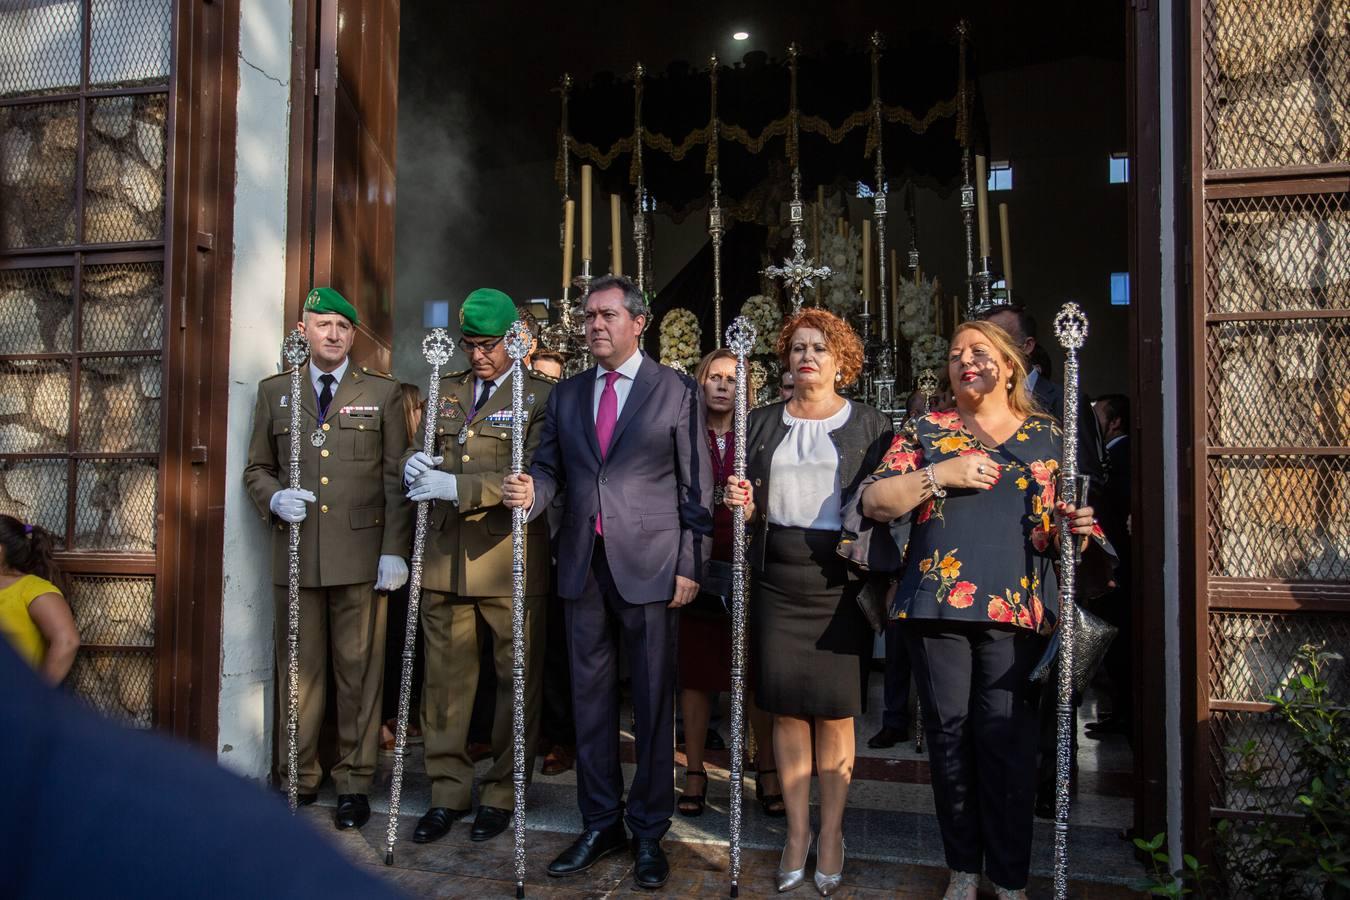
(861, 443)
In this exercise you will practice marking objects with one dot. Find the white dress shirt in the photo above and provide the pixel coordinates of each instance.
(804, 489)
(315, 372)
(622, 386)
(1033, 375)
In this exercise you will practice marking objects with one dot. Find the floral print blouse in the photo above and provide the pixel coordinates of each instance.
(981, 556)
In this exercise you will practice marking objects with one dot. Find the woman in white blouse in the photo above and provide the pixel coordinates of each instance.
(809, 640)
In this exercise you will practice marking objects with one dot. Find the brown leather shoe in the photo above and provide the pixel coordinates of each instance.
(558, 760)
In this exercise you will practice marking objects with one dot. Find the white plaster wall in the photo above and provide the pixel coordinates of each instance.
(256, 313)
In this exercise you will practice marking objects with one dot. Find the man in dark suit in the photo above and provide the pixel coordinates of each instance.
(1113, 414)
(624, 440)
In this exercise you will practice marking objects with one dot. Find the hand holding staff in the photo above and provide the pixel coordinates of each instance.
(1071, 328)
(517, 345)
(294, 350)
(437, 349)
(741, 341)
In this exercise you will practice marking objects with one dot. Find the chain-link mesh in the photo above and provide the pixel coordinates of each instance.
(40, 43)
(124, 169)
(123, 307)
(1279, 383)
(34, 490)
(118, 683)
(1276, 83)
(115, 611)
(1285, 253)
(34, 406)
(37, 173)
(1279, 517)
(119, 404)
(1252, 654)
(115, 505)
(35, 310)
(130, 41)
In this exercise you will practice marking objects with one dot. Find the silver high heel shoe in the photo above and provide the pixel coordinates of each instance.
(961, 884)
(828, 884)
(789, 880)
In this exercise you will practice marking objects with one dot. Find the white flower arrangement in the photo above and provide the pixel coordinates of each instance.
(681, 340)
(841, 293)
(764, 314)
(914, 308)
(928, 351)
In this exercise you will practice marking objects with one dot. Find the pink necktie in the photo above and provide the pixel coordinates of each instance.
(605, 417)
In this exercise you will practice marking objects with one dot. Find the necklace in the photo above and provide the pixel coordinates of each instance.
(721, 440)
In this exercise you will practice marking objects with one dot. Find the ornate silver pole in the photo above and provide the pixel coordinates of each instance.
(295, 350)
(517, 345)
(798, 272)
(883, 377)
(715, 211)
(967, 188)
(437, 349)
(741, 341)
(636, 176)
(1071, 328)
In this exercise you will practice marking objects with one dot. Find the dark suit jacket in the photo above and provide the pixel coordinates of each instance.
(1091, 453)
(654, 486)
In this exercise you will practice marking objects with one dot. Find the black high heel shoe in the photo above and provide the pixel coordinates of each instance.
(770, 804)
(691, 805)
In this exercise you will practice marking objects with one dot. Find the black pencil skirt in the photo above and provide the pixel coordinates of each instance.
(809, 640)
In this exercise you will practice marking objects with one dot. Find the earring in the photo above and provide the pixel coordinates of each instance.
(838, 377)
(1010, 385)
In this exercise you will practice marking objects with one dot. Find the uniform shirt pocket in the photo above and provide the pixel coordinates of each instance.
(359, 436)
(366, 516)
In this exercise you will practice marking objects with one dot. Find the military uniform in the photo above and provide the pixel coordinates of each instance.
(360, 515)
(466, 573)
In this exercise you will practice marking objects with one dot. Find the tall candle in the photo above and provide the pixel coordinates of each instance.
(956, 313)
(615, 241)
(586, 213)
(816, 215)
(569, 215)
(1007, 245)
(867, 263)
(981, 203)
(895, 279)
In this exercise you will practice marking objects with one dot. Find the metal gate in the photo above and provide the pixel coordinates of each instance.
(1270, 354)
(84, 118)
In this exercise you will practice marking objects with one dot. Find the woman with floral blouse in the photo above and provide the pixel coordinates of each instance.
(973, 492)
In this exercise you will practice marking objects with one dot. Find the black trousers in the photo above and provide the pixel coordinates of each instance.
(897, 681)
(599, 622)
(980, 718)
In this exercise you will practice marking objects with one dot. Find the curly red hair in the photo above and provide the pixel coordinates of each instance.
(844, 343)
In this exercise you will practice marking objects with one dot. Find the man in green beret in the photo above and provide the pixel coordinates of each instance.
(466, 575)
(354, 537)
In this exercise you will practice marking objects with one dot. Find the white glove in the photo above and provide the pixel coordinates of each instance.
(418, 464)
(392, 574)
(288, 504)
(434, 484)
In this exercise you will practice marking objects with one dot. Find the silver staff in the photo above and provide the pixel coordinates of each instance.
(1071, 328)
(928, 385)
(741, 341)
(295, 350)
(437, 349)
(517, 345)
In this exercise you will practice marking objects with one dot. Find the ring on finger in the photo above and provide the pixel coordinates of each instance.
(980, 469)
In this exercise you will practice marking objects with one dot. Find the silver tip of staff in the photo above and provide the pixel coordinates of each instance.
(294, 347)
(1071, 326)
(437, 348)
(518, 340)
(741, 336)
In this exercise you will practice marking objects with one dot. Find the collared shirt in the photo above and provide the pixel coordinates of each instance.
(1033, 375)
(315, 372)
(1115, 440)
(622, 386)
(492, 387)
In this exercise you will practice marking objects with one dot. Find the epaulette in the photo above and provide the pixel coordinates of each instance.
(285, 374)
(546, 379)
(460, 373)
(378, 374)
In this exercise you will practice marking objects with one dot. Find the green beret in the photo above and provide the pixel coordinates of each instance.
(486, 313)
(327, 300)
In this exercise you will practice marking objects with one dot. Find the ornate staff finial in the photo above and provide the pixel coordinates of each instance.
(294, 348)
(741, 336)
(518, 340)
(437, 348)
(1071, 326)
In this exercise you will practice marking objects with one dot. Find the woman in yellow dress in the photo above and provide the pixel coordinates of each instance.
(34, 615)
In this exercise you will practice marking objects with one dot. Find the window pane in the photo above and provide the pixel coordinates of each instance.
(117, 683)
(124, 170)
(1120, 288)
(39, 46)
(41, 143)
(123, 307)
(35, 491)
(130, 42)
(35, 307)
(114, 610)
(119, 404)
(115, 505)
(34, 406)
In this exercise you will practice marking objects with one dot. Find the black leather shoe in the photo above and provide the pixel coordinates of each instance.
(886, 738)
(714, 741)
(650, 869)
(436, 824)
(353, 811)
(490, 822)
(588, 849)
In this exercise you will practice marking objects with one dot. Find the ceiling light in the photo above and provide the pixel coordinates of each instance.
(741, 36)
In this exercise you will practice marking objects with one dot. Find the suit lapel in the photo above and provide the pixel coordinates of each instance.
(309, 403)
(642, 388)
(349, 389)
(585, 409)
(500, 399)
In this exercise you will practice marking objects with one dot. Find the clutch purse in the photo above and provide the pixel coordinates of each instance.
(1093, 637)
(714, 593)
(874, 600)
